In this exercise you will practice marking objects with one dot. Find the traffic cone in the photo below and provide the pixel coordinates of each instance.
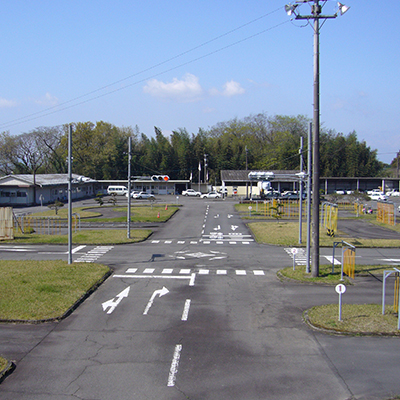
(158, 215)
(166, 207)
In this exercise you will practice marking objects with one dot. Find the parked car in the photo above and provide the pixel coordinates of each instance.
(378, 196)
(340, 191)
(393, 193)
(132, 193)
(143, 195)
(191, 192)
(211, 195)
(374, 191)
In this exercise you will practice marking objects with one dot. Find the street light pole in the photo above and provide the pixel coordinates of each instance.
(316, 10)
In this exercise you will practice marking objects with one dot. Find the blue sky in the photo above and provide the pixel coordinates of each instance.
(191, 64)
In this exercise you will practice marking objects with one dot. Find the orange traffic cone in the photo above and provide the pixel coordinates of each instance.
(166, 206)
(158, 215)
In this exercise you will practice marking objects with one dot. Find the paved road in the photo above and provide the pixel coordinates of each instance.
(223, 328)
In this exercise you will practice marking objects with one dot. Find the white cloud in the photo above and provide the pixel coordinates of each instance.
(47, 100)
(4, 103)
(186, 89)
(230, 89)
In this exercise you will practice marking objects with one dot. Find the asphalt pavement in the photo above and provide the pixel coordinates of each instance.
(197, 312)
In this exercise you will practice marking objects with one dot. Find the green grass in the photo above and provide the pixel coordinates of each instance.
(97, 237)
(40, 290)
(356, 319)
(325, 273)
(286, 233)
(3, 364)
(139, 213)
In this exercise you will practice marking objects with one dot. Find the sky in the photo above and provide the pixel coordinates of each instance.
(192, 64)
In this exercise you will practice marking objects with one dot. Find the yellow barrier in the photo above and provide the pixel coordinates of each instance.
(396, 293)
(349, 262)
(386, 213)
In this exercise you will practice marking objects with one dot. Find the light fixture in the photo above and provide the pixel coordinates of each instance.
(289, 8)
(342, 8)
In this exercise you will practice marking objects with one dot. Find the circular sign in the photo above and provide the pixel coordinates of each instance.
(295, 250)
(250, 207)
(340, 288)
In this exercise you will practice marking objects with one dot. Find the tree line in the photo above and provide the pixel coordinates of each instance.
(256, 142)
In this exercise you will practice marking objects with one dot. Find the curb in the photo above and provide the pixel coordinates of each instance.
(306, 320)
(7, 370)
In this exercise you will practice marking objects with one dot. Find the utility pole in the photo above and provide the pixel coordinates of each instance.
(128, 222)
(70, 195)
(316, 10)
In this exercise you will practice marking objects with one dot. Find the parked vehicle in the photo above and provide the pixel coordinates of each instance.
(143, 195)
(211, 195)
(393, 193)
(132, 193)
(191, 192)
(374, 191)
(340, 191)
(117, 190)
(378, 196)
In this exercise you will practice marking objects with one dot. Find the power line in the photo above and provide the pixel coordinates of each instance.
(68, 105)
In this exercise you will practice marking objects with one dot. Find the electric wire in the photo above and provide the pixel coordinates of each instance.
(59, 107)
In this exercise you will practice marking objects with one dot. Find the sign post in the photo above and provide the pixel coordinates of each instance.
(340, 288)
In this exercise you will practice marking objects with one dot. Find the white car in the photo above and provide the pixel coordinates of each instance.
(191, 192)
(211, 195)
(375, 191)
(393, 193)
(378, 196)
(132, 193)
(143, 195)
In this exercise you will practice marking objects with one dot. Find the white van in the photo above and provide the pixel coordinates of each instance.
(118, 190)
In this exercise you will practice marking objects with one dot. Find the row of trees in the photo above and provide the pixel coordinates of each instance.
(260, 142)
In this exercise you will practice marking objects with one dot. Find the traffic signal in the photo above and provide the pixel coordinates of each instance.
(160, 178)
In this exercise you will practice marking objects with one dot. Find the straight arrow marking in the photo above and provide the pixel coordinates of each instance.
(159, 292)
(113, 303)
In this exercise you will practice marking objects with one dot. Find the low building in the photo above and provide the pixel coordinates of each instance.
(25, 189)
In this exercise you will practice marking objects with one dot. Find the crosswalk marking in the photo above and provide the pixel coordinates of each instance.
(94, 254)
(220, 240)
(188, 271)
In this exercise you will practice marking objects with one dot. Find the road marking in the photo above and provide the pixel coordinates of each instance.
(113, 303)
(167, 271)
(221, 271)
(78, 248)
(335, 262)
(174, 365)
(160, 293)
(186, 308)
(240, 272)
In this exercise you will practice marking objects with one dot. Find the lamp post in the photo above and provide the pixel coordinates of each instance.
(316, 10)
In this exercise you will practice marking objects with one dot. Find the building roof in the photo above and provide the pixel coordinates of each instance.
(43, 179)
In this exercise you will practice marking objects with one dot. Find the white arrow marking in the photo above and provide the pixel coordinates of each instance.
(230, 215)
(160, 292)
(234, 227)
(217, 228)
(216, 216)
(115, 301)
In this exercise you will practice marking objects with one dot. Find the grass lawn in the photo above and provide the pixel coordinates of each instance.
(96, 237)
(356, 319)
(40, 290)
(286, 233)
(3, 364)
(139, 213)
